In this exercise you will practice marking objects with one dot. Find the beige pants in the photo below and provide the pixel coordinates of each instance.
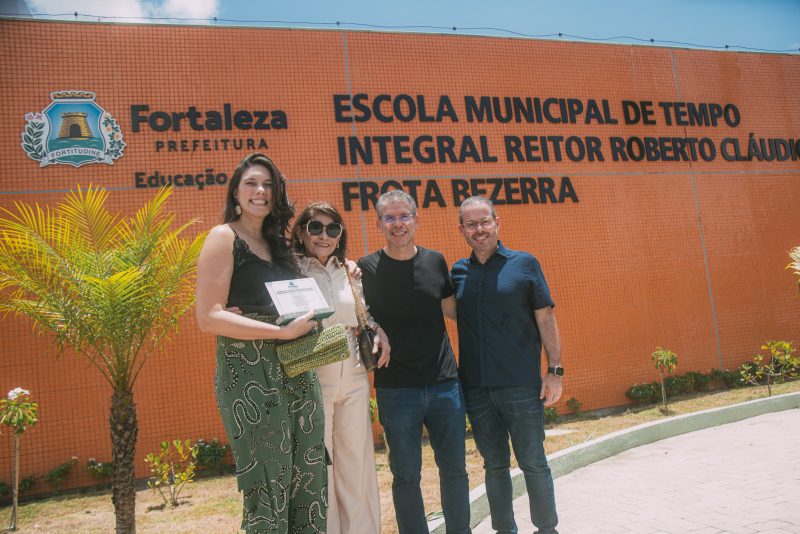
(353, 502)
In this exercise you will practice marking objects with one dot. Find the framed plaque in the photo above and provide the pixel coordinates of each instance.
(294, 298)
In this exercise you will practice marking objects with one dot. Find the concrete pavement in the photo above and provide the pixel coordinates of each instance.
(740, 478)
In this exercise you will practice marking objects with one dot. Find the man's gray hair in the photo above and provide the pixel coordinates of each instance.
(472, 201)
(395, 195)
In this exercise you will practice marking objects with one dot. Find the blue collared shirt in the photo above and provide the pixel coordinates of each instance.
(498, 339)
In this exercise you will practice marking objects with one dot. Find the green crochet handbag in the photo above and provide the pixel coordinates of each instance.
(315, 349)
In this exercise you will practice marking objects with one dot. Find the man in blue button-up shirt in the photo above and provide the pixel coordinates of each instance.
(505, 316)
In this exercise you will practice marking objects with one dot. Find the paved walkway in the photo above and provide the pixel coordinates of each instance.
(739, 478)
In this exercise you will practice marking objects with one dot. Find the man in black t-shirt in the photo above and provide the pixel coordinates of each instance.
(407, 287)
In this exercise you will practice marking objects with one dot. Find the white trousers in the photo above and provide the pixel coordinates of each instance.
(353, 501)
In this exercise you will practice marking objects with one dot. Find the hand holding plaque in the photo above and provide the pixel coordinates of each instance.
(295, 297)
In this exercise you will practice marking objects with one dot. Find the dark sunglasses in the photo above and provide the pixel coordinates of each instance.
(333, 229)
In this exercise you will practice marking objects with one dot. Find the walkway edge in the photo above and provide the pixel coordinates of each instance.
(568, 460)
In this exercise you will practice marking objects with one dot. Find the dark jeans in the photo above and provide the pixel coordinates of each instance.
(497, 412)
(402, 413)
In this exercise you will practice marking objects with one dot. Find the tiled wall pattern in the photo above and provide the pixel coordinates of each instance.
(688, 255)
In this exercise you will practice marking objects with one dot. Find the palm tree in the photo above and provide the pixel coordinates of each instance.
(110, 287)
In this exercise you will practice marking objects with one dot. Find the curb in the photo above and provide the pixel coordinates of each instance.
(568, 460)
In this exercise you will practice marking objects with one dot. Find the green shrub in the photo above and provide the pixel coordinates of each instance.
(678, 385)
(99, 469)
(665, 361)
(375, 416)
(749, 374)
(373, 409)
(778, 365)
(56, 476)
(550, 415)
(27, 483)
(644, 393)
(699, 380)
(574, 405)
(786, 363)
(210, 455)
(731, 379)
(173, 466)
(17, 410)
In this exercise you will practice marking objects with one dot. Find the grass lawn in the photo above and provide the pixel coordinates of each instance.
(213, 505)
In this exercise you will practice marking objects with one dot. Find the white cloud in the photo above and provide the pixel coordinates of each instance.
(130, 9)
(196, 9)
(120, 8)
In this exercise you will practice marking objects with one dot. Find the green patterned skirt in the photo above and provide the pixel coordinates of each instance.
(275, 427)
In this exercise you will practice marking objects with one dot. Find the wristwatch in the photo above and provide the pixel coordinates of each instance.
(556, 370)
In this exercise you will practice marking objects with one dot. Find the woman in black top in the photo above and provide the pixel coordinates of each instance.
(274, 423)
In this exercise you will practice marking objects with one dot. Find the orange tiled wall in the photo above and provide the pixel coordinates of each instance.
(688, 255)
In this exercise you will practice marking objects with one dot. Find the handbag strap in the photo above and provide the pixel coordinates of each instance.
(361, 312)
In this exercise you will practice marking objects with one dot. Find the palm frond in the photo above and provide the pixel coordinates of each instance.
(173, 287)
(86, 212)
(33, 266)
(110, 287)
(28, 237)
(795, 264)
(44, 318)
(146, 229)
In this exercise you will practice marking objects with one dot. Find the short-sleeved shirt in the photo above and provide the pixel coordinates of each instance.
(498, 338)
(405, 298)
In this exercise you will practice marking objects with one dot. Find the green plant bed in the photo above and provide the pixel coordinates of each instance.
(644, 393)
(211, 457)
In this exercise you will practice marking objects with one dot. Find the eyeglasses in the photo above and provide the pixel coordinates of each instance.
(391, 219)
(486, 224)
(333, 229)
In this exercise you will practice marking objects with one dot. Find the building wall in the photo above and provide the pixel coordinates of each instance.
(682, 252)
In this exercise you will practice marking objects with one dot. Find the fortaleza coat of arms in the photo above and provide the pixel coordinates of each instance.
(72, 130)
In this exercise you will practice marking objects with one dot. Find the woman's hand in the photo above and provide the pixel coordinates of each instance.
(381, 346)
(298, 327)
(353, 267)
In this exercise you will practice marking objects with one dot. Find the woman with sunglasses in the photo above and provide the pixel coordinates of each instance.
(320, 240)
(274, 423)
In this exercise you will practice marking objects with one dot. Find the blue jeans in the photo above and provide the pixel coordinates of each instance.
(497, 412)
(402, 413)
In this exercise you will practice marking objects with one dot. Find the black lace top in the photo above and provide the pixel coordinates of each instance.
(250, 272)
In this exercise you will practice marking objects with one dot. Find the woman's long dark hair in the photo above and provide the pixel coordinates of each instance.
(275, 225)
(308, 213)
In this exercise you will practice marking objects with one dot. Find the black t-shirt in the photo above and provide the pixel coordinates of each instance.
(405, 298)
